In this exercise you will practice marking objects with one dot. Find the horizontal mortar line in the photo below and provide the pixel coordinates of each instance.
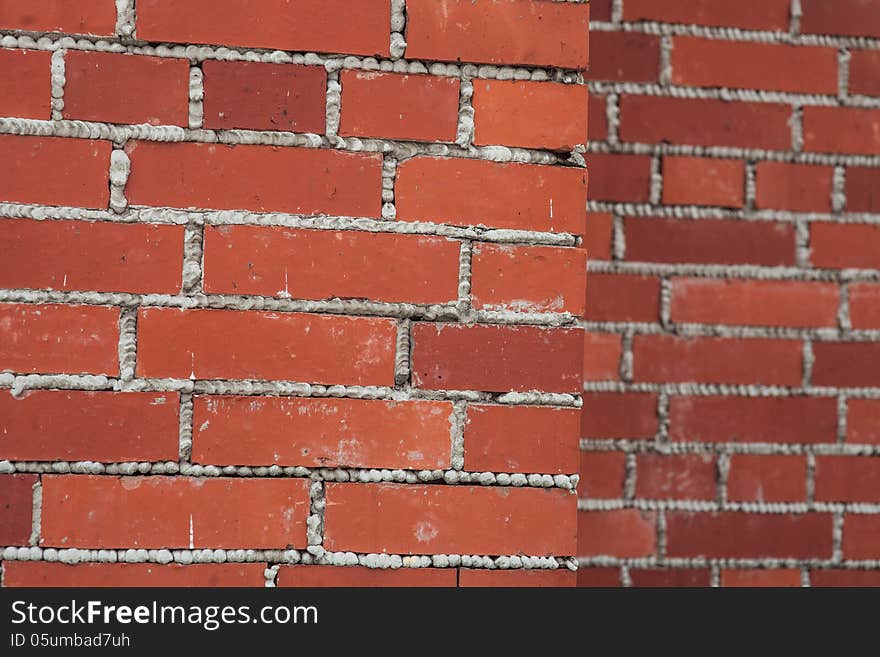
(739, 272)
(739, 563)
(698, 506)
(733, 331)
(694, 389)
(652, 446)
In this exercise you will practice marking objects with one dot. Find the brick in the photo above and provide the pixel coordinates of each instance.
(83, 255)
(767, 478)
(496, 358)
(602, 475)
(600, 10)
(619, 177)
(624, 57)
(753, 419)
(602, 352)
(839, 246)
(705, 122)
(864, 305)
(862, 185)
(597, 241)
(303, 25)
(749, 65)
(676, 476)
(529, 439)
(468, 192)
(16, 507)
(842, 130)
(624, 533)
(664, 358)
(80, 171)
(117, 88)
(25, 87)
(262, 96)
(229, 344)
(754, 303)
(597, 130)
(412, 107)
(73, 425)
(50, 339)
(431, 519)
(745, 14)
(259, 178)
(773, 578)
(863, 421)
(845, 578)
(844, 17)
(864, 70)
(540, 279)
(322, 264)
(56, 574)
(533, 578)
(704, 181)
(591, 577)
(794, 187)
(96, 17)
(360, 576)
(620, 297)
(619, 415)
(738, 535)
(846, 364)
(847, 479)
(670, 577)
(499, 32)
(710, 241)
(529, 114)
(321, 433)
(85, 511)
(860, 534)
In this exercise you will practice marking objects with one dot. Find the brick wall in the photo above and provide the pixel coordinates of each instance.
(732, 408)
(290, 290)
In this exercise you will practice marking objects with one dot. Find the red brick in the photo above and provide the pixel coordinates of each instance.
(540, 279)
(676, 476)
(767, 478)
(619, 415)
(864, 305)
(25, 88)
(533, 578)
(116, 88)
(16, 507)
(845, 578)
(705, 122)
(173, 512)
(670, 577)
(590, 577)
(597, 129)
(845, 17)
(361, 576)
(496, 358)
(746, 14)
(80, 171)
(710, 241)
(619, 177)
(748, 535)
(602, 474)
(468, 192)
(322, 264)
(529, 114)
(703, 181)
(846, 364)
(600, 10)
(414, 107)
(83, 255)
(862, 184)
(664, 358)
(624, 56)
(755, 303)
(50, 339)
(602, 353)
(842, 130)
(597, 241)
(318, 25)
(260, 178)
(772, 578)
(847, 479)
(863, 421)
(82, 17)
(625, 533)
(753, 419)
(72, 425)
(861, 536)
(261, 96)
(229, 344)
(864, 71)
(619, 297)
(795, 187)
(749, 65)
(499, 32)
(840, 246)
(431, 519)
(321, 433)
(530, 439)
(56, 574)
